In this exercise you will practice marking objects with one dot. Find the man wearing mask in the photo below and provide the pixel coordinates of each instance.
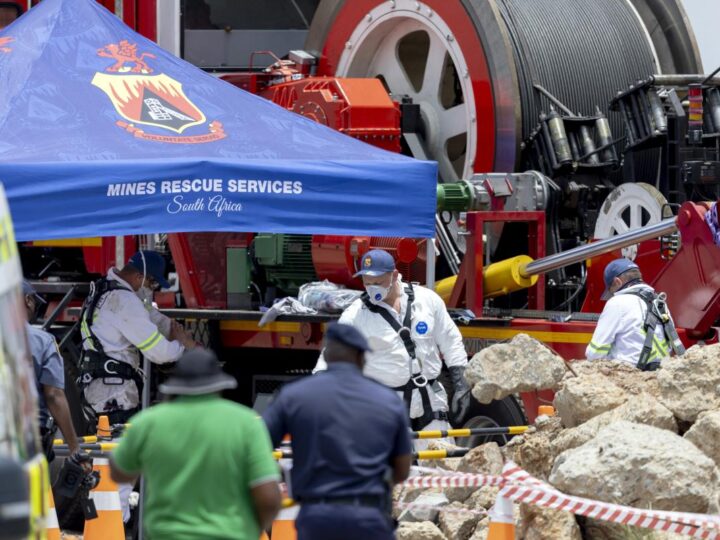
(119, 323)
(408, 328)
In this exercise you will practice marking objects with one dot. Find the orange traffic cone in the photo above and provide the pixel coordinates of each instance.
(51, 521)
(547, 410)
(502, 520)
(284, 525)
(109, 523)
(103, 427)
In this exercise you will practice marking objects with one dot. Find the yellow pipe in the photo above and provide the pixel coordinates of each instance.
(504, 277)
(499, 278)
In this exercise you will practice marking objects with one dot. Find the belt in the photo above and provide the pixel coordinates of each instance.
(374, 501)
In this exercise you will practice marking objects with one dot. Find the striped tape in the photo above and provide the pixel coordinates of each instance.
(520, 487)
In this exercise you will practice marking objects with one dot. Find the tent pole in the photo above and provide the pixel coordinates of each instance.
(430, 263)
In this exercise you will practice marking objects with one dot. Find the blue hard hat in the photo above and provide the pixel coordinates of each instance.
(376, 263)
(152, 264)
(347, 335)
(613, 270)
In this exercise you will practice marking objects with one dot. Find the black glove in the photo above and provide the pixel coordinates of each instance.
(460, 405)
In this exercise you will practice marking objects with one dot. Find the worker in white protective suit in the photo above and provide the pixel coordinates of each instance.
(635, 326)
(118, 324)
(408, 328)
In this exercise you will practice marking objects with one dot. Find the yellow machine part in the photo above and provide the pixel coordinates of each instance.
(70, 242)
(499, 278)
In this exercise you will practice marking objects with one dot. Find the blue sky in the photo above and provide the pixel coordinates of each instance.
(705, 19)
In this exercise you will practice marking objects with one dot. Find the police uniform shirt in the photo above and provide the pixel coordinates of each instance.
(48, 364)
(346, 430)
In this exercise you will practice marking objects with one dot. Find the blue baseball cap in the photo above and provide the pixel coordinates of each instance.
(347, 335)
(152, 264)
(29, 290)
(376, 263)
(613, 270)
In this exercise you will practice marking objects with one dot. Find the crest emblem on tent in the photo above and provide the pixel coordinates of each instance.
(151, 100)
(3, 44)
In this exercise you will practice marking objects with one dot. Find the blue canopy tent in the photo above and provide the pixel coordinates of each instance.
(104, 133)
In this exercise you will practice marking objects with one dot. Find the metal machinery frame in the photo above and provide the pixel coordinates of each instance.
(470, 281)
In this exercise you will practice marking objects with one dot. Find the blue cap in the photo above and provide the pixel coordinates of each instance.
(376, 263)
(29, 290)
(347, 335)
(152, 264)
(613, 270)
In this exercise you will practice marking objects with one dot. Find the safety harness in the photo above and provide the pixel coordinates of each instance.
(417, 380)
(95, 363)
(657, 315)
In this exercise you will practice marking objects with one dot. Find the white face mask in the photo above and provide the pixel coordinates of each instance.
(377, 293)
(145, 294)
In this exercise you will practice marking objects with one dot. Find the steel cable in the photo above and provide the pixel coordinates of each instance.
(583, 52)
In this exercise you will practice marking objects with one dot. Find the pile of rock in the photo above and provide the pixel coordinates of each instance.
(642, 439)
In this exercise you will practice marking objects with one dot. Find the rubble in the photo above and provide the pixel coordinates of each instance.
(640, 409)
(481, 530)
(429, 505)
(482, 498)
(538, 523)
(582, 398)
(690, 384)
(484, 459)
(705, 434)
(640, 466)
(507, 368)
(419, 531)
(534, 450)
(457, 522)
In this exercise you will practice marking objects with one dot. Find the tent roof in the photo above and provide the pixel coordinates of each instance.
(102, 132)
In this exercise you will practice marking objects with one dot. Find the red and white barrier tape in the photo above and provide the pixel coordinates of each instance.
(519, 486)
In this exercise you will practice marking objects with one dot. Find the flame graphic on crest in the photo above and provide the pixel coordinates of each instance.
(128, 95)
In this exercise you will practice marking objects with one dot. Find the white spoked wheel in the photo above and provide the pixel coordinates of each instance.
(629, 207)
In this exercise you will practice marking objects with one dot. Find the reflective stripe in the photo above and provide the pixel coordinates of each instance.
(600, 348)
(150, 342)
(106, 500)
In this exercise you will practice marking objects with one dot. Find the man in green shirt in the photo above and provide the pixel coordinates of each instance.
(207, 462)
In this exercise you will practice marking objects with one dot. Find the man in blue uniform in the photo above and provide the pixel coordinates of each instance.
(350, 441)
(50, 379)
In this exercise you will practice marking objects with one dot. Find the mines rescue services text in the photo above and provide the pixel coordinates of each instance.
(206, 185)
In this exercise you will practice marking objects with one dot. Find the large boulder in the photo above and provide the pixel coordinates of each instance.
(484, 459)
(640, 409)
(417, 531)
(639, 466)
(521, 365)
(690, 384)
(457, 522)
(535, 450)
(627, 377)
(705, 434)
(584, 397)
(538, 523)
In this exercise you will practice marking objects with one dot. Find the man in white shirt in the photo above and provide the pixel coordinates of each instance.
(406, 353)
(626, 331)
(119, 324)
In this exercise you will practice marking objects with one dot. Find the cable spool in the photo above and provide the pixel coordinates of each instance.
(582, 52)
(471, 64)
